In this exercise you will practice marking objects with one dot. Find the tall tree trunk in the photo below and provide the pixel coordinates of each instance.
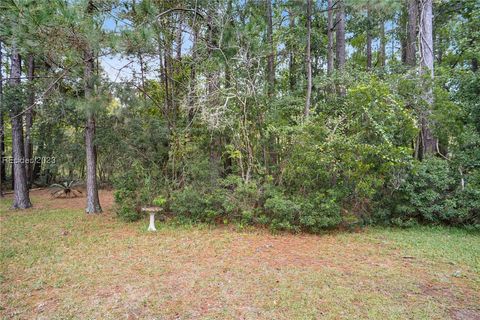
(271, 54)
(340, 35)
(383, 42)
(306, 111)
(330, 38)
(369, 39)
(93, 202)
(429, 143)
(2, 144)
(412, 22)
(340, 43)
(21, 197)
(142, 76)
(179, 40)
(212, 94)
(292, 80)
(402, 31)
(169, 50)
(29, 121)
(193, 76)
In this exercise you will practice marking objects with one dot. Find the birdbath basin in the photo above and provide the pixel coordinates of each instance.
(151, 211)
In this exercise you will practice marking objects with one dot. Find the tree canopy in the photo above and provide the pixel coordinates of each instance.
(297, 115)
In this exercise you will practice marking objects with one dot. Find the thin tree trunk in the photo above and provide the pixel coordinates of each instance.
(340, 35)
(179, 40)
(212, 94)
(383, 41)
(21, 197)
(171, 79)
(142, 76)
(292, 81)
(29, 121)
(428, 142)
(402, 31)
(306, 111)
(166, 78)
(2, 145)
(271, 55)
(93, 202)
(193, 76)
(340, 43)
(330, 58)
(412, 22)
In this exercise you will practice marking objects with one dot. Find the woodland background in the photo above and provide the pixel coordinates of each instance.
(296, 115)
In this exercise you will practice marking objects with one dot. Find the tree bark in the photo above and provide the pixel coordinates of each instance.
(142, 76)
(93, 202)
(330, 58)
(179, 40)
(382, 54)
(340, 43)
(21, 197)
(306, 111)
(29, 121)
(369, 40)
(193, 77)
(271, 55)
(212, 97)
(292, 80)
(402, 31)
(2, 144)
(428, 142)
(410, 50)
(340, 35)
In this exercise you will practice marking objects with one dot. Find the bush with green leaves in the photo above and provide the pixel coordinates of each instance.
(344, 158)
(135, 188)
(190, 203)
(433, 194)
(228, 199)
(126, 198)
(282, 213)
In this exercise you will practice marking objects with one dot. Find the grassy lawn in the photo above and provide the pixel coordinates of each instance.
(58, 263)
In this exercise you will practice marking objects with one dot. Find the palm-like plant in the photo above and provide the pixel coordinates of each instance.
(66, 189)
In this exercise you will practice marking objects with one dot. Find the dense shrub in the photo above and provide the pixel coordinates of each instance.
(432, 193)
(282, 213)
(125, 195)
(135, 188)
(320, 211)
(191, 203)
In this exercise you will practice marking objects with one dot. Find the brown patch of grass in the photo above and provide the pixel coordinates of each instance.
(58, 262)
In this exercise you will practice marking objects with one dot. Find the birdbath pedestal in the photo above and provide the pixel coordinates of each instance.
(151, 211)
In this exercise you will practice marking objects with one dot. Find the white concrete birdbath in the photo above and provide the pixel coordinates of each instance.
(151, 211)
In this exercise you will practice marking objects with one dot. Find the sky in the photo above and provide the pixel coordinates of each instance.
(120, 68)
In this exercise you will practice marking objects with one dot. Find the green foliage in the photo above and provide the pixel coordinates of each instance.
(66, 189)
(159, 201)
(204, 138)
(433, 193)
(126, 206)
(282, 212)
(126, 197)
(320, 211)
(189, 203)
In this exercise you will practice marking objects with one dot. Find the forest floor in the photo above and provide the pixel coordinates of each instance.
(58, 263)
